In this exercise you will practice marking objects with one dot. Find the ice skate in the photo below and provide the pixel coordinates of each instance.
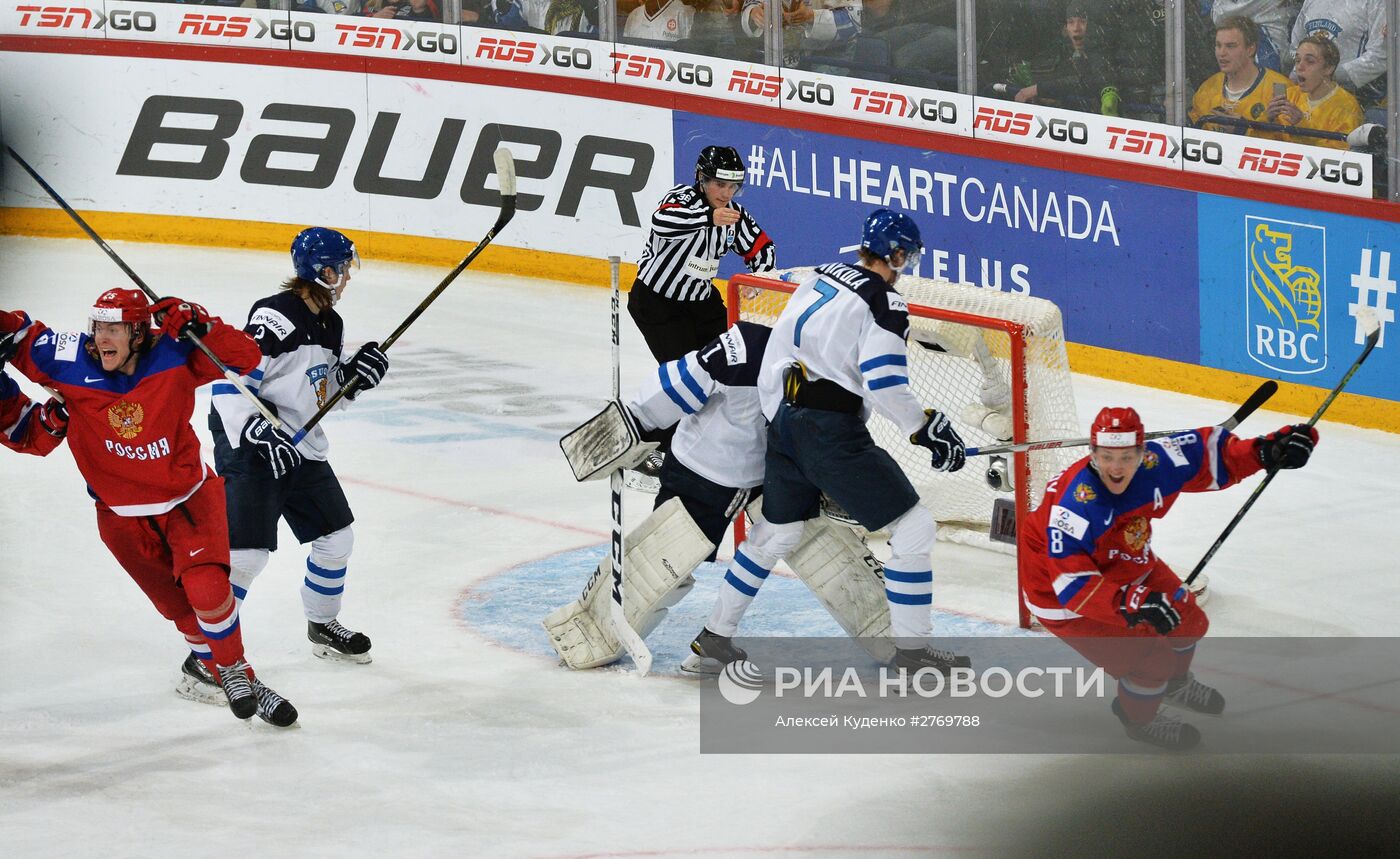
(710, 652)
(1164, 731)
(914, 659)
(1188, 693)
(197, 684)
(273, 708)
(239, 689)
(331, 640)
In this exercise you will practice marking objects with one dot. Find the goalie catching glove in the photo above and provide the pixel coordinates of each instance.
(369, 365)
(937, 434)
(272, 444)
(1289, 447)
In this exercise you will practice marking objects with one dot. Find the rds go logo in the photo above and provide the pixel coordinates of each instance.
(1286, 295)
(740, 682)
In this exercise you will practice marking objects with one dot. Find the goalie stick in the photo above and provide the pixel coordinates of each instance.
(1367, 318)
(1256, 399)
(505, 174)
(631, 641)
(232, 377)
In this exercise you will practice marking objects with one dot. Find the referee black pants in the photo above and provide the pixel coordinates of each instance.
(673, 328)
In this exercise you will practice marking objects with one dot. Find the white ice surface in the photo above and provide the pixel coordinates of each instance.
(454, 742)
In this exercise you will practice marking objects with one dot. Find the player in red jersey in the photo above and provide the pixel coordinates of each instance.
(1094, 579)
(129, 391)
(25, 425)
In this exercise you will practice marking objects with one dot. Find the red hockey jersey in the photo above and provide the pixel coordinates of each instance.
(1086, 543)
(131, 435)
(19, 421)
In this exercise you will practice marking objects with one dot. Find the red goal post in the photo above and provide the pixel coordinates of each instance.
(965, 337)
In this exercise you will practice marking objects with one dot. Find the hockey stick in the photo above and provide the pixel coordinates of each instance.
(636, 648)
(1256, 399)
(231, 376)
(505, 174)
(1368, 319)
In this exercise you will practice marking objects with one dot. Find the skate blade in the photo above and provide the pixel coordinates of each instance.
(325, 651)
(639, 482)
(696, 664)
(192, 690)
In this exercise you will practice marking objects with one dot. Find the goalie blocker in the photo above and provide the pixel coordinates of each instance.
(609, 440)
(667, 547)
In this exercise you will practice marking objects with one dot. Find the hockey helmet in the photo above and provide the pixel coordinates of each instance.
(121, 305)
(887, 231)
(1117, 426)
(720, 162)
(316, 248)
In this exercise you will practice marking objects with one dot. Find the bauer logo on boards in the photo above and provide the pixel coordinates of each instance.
(1286, 295)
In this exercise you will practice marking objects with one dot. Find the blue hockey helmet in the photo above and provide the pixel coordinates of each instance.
(887, 230)
(316, 248)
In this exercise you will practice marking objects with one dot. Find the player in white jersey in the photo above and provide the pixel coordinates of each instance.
(717, 460)
(837, 353)
(267, 477)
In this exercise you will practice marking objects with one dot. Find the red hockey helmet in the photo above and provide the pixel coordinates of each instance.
(1117, 426)
(121, 305)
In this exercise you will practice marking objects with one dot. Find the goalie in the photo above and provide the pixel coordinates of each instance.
(716, 465)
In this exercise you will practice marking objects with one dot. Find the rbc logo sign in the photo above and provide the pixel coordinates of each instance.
(1286, 295)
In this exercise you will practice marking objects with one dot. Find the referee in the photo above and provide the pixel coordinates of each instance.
(674, 301)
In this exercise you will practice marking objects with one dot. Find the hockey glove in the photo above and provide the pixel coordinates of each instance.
(272, 444)
(1290, 447)
(1154, 608)
(369, 365)
(53, 417)
(937, 434)
(181, 317)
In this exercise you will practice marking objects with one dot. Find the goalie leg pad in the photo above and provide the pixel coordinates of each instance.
(661, 554)
(604, 443)
(838, 567)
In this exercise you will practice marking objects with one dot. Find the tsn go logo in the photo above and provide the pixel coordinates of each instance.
(76, 18)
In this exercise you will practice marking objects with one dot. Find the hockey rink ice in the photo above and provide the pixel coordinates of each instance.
(464, 737)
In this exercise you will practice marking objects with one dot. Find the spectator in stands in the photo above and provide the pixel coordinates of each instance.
(922, 37)
(1136, 50)
(542, 16)
(1072, 73)
(1241, 88)
(660, 21)
(409, 10)
(1358, 27)
(1317, 102)
(809, 25)
(1274, 19)
(332, 7)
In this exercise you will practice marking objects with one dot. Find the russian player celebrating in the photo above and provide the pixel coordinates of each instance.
(1094, 576)
(300, 337)
(160, 510)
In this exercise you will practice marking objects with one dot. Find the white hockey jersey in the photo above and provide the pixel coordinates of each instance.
(296, 376)
(845, 324)
(710, 396)
(671, 23)
(1358, 28)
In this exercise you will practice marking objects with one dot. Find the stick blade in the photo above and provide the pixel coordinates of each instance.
(1370, 324)
(505, 171)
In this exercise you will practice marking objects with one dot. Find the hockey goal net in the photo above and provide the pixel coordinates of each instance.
(964, 342)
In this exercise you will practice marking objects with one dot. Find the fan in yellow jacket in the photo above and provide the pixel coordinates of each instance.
(1241, 88)
(1317, 101)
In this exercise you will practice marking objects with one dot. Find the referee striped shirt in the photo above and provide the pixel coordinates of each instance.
(683, 251)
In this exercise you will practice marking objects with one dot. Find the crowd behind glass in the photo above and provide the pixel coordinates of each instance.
(1311, 71)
